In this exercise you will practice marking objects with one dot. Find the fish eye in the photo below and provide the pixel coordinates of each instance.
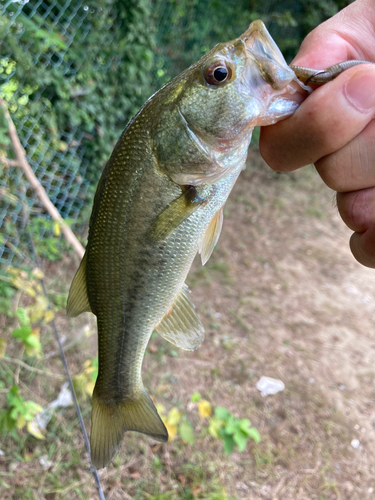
(218, 73)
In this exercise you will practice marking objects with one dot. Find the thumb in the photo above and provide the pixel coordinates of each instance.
(362, 246)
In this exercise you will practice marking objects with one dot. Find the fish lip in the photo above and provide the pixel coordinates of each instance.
(263, 51)
(267, 78)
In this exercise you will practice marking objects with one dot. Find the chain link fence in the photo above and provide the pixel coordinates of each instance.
(58, 157)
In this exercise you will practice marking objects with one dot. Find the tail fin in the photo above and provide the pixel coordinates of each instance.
(109, 424)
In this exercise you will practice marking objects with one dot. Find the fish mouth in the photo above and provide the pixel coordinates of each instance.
(268, 77)
(263, 51)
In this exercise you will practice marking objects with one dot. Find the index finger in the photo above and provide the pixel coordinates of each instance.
(348, 35)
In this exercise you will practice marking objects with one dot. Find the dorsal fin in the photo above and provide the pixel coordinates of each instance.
(211, 236)
(181, 326)
(78, 301)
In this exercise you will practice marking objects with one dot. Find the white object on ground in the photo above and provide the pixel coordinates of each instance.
(355, 443)
(45, 463)
(268, 385)
(63, 400)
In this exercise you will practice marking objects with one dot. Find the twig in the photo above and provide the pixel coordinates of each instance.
(6, 194)
(36, 185)
(18, 369)
(8, 162)
(32, 369)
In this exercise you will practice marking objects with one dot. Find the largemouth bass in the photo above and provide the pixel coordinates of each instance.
(160, 201)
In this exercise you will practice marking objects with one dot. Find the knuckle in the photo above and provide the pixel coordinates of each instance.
(357, 208)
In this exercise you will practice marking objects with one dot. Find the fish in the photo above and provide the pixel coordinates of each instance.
(159, 201)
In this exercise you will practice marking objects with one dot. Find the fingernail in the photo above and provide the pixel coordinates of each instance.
(359, 90)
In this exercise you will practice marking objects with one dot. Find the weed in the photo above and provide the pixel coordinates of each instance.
(18, 414)
(232, 430)
(7, 291)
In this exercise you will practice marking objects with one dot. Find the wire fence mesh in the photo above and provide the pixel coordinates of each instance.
(58, 160)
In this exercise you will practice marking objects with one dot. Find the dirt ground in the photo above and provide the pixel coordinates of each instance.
(283, 297)
(294, 305)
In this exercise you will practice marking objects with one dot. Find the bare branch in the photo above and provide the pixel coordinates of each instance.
(47, 373)
(8, 162)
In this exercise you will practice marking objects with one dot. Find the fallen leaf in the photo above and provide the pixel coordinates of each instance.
(182, 479)
(3, 346)
(38, 273)
(152, 349)
(33, 429)
(186, 432)
(196, 490)
(174, 416)
(29, 290)
(20, 422)
(172, 430)
(204, 408)
(49, 316)
(56, 228)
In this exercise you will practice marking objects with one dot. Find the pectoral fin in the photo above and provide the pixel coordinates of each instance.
(78, 301)
(181, 326)
(211, 236)
(176, 213)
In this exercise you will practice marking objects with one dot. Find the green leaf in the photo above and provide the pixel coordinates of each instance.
(95, 364)
(31, 409)
(23, 316)
(195, 397)
(240, 440)
(228, 442)
(214, 427)
(254, 434)
(221, 413)
(232, 424)
(13, 395)
(186, 432)
(244, 425)
(33, 341)
(22, 333)
(14, 412)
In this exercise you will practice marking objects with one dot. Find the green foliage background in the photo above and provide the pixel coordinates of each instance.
(74, 72)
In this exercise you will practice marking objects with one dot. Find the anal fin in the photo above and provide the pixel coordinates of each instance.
(211, 236)
(181, 326)
(78, 301)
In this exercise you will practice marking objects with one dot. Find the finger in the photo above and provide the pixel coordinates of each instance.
(327, 120)
(322, 48)
(362, 246)
(353, 166)
(347, 35)
(357, 209)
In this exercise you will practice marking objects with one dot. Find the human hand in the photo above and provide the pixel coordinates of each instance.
(334, 128)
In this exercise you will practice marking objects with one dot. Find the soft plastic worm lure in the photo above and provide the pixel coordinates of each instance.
(319, 77)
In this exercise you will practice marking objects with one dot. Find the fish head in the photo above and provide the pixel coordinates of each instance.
(214, 105)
